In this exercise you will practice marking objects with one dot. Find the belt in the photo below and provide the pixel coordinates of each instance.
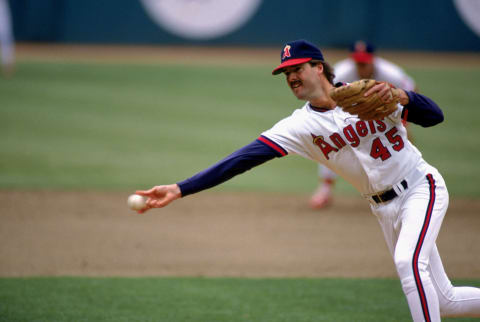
(388, 194)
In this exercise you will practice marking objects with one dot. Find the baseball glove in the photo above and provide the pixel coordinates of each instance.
(351, 99)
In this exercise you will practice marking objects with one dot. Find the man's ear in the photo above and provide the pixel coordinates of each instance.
(320, 69)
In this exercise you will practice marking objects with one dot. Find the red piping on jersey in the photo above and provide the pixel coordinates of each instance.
(405, 115)
(273, 145)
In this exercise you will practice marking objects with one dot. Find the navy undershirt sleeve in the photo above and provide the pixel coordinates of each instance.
(421, 110)
(236, 163)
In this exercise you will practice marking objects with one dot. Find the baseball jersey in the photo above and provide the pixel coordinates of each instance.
(385, 71)
(363, 153)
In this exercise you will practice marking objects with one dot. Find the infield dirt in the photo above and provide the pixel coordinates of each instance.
(51, 233)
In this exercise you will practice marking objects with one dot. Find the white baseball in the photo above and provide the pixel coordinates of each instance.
(136, 202)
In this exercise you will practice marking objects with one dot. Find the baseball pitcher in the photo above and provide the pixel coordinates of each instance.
(356, 130)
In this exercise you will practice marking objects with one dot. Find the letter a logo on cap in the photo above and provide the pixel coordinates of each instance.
(286, 52)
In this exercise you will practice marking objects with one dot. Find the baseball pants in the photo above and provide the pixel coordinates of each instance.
(410, 224)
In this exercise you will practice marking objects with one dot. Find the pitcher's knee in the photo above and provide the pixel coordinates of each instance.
(411, 277)
(408, 285)
(407, 266)
(404, 267)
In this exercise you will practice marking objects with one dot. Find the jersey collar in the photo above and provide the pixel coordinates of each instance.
(319, 109)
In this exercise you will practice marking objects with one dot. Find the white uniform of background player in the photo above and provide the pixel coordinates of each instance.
(7, 46)
(362, 64)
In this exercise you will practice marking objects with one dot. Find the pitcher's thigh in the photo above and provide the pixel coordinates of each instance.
(421, 217)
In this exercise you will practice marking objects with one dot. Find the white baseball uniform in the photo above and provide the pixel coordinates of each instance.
(407, 195)
(383, 70)
(6, 36)
(376, 156)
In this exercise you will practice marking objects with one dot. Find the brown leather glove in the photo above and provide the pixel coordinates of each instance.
(351, 99)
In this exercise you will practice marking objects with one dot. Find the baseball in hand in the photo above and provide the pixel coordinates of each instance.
(136, 202)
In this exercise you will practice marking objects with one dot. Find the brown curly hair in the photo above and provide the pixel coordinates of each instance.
(327, 69)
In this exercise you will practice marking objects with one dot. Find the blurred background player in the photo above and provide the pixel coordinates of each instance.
(7, 45)
(362, 63)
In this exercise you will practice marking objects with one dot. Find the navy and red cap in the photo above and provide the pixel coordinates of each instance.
(297, 52)
(362, 52)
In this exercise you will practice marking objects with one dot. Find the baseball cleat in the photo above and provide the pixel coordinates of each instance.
(322, 198)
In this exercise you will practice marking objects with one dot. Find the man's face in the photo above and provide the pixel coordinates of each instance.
(365, 70)
(303, 80)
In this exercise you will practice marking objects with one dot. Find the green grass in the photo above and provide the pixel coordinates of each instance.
(202, 299)
(112, 126)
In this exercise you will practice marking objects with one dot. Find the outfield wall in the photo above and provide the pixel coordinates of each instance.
(452, 25)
